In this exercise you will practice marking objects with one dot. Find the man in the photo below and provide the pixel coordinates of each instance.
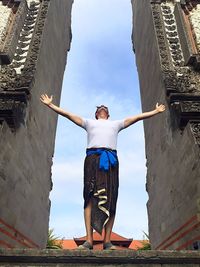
(100, 167)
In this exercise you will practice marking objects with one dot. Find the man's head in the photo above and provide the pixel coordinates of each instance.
(102, 112)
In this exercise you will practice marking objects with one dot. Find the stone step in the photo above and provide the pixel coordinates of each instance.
(80, 258)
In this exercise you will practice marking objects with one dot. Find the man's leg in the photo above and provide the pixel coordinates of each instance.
(108, 228)
(87, 217)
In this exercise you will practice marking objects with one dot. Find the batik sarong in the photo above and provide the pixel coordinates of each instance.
(102, 188)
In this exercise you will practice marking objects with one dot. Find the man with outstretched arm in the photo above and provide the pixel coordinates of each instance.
(101, 167)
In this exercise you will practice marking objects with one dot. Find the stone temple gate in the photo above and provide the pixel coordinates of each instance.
(35, 37)
(166, 39)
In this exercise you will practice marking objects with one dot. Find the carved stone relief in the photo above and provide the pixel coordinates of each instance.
(178, 57)
(172, 34)
(165, 58)
(195, 128)
(188, 21)
(17, 77)
(12, 18)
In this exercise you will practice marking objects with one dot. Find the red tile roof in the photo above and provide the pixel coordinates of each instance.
(119, 241)
(68, 244)
(136, 244)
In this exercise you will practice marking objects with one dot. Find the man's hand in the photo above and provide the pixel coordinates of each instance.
(46, 100)
(160, 108)
(145, 115)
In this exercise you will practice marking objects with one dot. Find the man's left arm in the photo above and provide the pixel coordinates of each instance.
(145, 115)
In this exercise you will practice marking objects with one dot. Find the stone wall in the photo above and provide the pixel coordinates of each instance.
(27, 147)
(171, 138)
(125, 258)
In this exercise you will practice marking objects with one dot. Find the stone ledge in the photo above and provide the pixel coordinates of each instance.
(34, 256)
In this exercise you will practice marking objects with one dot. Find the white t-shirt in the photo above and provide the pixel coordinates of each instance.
(102, 133)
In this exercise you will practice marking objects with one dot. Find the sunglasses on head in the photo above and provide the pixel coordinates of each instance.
(102, 106)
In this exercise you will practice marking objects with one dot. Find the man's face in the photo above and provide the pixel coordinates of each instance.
(102, 113)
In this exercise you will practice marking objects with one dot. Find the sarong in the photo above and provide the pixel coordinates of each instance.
(102, 188)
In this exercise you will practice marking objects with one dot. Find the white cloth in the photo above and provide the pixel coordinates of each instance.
(102, 133)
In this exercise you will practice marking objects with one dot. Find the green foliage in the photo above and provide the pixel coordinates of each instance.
(52, 242)
(145, 243)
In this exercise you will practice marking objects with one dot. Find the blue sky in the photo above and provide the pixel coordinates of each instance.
(100, 70)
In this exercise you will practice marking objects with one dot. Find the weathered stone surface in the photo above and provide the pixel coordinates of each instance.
(98, 258)
(195, 21)
(12, 19)
(26, 154)
(171, 139)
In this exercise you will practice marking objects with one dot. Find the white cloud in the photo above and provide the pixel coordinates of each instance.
(67, 183)
(68, 226)
(100, 17)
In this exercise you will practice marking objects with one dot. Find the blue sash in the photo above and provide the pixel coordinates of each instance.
(107, 157)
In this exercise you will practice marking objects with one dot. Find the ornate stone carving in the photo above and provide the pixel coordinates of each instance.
(188, 111)
(195, 128)
(13, 22)
(172, 34)
(17, 77)
(166, 63)
(190, 106)
(169, 47)
(170, 81)
(182, 83)
(188, 21)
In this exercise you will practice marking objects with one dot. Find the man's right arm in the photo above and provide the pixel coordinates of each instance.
(72, 117)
